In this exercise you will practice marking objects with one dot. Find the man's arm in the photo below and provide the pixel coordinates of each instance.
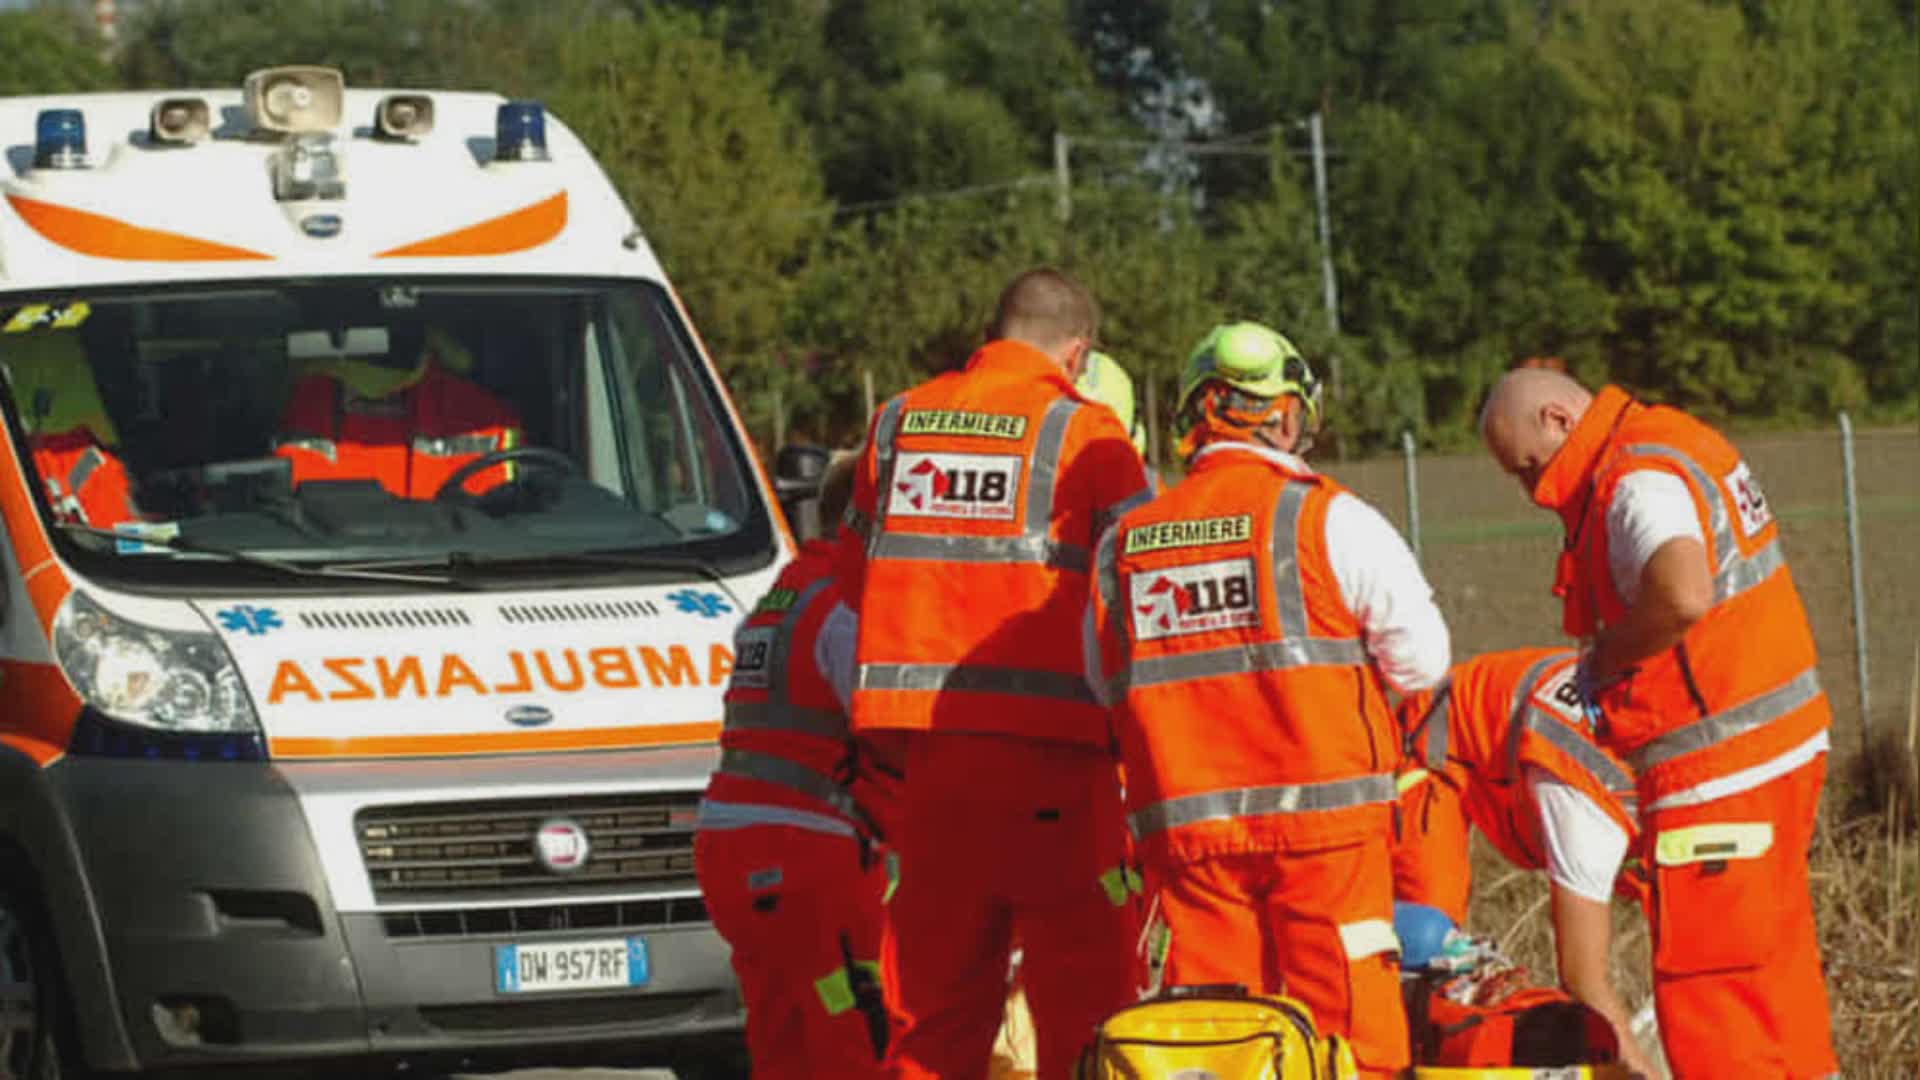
(1658, 560)
(1582, 940)
(1385, 589)
(850, 561)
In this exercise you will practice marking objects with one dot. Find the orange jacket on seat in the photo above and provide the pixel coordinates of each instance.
(1740, 689)
(1496, 714)
(1248, 716)
(411, 441)
(84, 482)
(973, 521)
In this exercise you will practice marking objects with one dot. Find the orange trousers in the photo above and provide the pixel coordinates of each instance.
(1431, 863)
(803, 915)
(1002, 837)
(1314, 925)
(1737, 981)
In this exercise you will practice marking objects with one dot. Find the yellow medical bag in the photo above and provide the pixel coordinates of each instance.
(1222, 1033)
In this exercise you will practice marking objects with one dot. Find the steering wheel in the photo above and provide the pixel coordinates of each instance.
(455, 486)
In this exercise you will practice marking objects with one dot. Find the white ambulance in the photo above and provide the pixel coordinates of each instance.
(374, 530)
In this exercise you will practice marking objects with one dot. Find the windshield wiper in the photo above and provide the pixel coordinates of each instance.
(265, 562)
(608, 558)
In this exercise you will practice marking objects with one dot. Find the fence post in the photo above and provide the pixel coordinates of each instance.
(1413, 491)
(1153, 421)
(866, 383)
(779, 418)
(1859, 594)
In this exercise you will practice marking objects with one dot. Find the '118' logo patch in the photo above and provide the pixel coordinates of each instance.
(1194, 599)
(980, 486)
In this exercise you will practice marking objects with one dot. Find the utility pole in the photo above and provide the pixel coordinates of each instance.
(1329, 286)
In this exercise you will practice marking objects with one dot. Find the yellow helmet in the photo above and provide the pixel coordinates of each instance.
(1253, 361)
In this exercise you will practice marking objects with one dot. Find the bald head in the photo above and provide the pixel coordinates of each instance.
(1050, 311)
(1528, 417)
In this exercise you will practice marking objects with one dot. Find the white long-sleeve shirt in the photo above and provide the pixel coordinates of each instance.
(1379, 580)
(1649, 509)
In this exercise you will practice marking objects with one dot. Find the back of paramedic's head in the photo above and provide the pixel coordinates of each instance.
(836, 488)
(1049, 310)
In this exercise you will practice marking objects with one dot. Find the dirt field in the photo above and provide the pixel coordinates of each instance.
(1490, 555)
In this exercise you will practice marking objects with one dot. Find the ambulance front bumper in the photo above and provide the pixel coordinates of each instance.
(233, 933)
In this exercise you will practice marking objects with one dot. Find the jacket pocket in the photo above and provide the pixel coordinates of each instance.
(1715, 892)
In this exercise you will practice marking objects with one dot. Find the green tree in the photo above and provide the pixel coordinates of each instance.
(49, 51)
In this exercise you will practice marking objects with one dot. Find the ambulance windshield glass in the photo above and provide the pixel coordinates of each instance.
(330, 422)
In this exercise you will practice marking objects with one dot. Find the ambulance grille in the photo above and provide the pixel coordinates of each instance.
(579, 612)
(536, 919)
(470, 850)
(385, 619)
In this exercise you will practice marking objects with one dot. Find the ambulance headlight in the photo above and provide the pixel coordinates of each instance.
(167, 680)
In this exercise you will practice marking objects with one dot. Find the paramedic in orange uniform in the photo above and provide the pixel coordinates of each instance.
(977, 505)
(1245, 622)
(408, 428)
(784, 854)
(1698, 667)
(1504, 744)
(68, 430)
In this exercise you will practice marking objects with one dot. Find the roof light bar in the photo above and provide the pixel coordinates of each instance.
(308, 167)
(520, 132)
(60, 139)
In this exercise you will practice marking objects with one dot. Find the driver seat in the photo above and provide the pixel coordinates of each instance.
(409, 428)
(68, 429)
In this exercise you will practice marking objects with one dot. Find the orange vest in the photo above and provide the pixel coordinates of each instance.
(981, 498)
(1247, 713)
(410, 441)
(784, 740)
(1497, 713)
(1740, 688)
(84, 482)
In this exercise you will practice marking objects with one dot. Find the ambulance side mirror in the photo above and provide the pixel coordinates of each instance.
(797, 471)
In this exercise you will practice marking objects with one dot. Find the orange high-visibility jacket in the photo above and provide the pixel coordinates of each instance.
(83, 481)
(1740, 689)
(1249, 717)
(971, 529)
(410, 441)
(1497, 713)
(784, 740)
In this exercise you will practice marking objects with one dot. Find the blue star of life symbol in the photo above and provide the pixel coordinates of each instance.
(247, 619)
(707, 605)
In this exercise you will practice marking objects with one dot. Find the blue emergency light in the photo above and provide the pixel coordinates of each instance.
(60, 139)
(520, 132)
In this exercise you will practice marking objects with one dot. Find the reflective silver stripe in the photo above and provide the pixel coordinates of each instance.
(1749, 715)
(855, 521)
(1578, 747)
(770, 769)
(84, 469)
(883, 453)
(982, 549)
(1044, 464)
(768, 716)
(976, 678)
(1107, 518)
(1106, 582)
(1439, 716)
(1288, 594)
(1240, 660)
(777, 712)
(455, 445)
(1518, 705)
(1734, 573)
(1261, 801)
(312, 444)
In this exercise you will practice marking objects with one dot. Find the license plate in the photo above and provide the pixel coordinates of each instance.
(611, 964)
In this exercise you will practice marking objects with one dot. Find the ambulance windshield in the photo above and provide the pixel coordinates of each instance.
(333, 422)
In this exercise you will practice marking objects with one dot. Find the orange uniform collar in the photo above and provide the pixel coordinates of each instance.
(1017, 358)
(1571, 469)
